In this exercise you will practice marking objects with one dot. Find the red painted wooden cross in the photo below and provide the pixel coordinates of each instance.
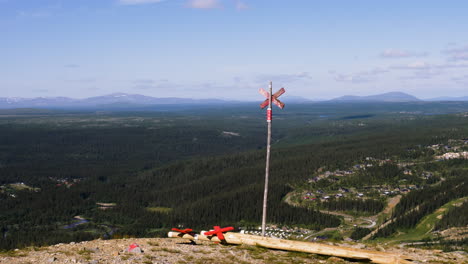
(274, 98)
(218, 231)
(185, 231)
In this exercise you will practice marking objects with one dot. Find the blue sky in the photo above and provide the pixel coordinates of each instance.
(230, 48)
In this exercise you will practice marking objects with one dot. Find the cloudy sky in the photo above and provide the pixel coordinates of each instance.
(230, 48)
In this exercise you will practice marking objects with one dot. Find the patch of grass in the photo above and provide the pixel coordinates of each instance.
(254, 249)
(206, 260)
(151, 243)
(125, 257)
(294, 254)
(239, 261)
(164, 210)
(170, 250)
(256, 252)
(334, 235)
(38, 248)
(85, 253)
(202, 251)
(257, 256)
(66, 253)
(12, 253)
(274, 259)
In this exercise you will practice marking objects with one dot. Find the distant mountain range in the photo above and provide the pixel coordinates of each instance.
(446, 98)
(111, 100)
(386, 97)
(135, 100)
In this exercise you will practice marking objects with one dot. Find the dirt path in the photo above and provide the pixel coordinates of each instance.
(392, 202)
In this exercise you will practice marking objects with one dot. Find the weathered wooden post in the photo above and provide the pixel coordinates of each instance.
(271, 98)
(299, 246)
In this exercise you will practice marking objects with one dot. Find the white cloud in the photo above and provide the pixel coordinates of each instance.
(424, 70)
(197, 4)
(395, 53)
(283, 78)
(422, 74)
(82, 80)
(374, 71)
(420, 65)
(359, 77)
(33, 14)
(241, 5)
(204, 4)
(138, 2)
(40, 90)
(350, 78)
(417, 65)
(451, 66)
(461, 79)
(457, 54)
(143, 81)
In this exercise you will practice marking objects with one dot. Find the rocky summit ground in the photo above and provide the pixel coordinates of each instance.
(166, 250)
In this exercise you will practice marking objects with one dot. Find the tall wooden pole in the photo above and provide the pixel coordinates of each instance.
(267, 167)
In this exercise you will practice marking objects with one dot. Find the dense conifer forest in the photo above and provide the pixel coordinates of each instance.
(141, 173)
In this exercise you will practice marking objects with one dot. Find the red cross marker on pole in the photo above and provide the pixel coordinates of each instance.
(274, 98)
(270, 98)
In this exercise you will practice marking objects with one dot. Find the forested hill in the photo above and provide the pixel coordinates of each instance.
(141, 174)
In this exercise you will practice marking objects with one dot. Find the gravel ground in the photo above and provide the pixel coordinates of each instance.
(165, 251)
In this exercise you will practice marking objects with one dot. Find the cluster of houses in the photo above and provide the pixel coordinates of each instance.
(426, 175)
(454, 145)
(65, 181)
(331, 176)
(397, 190)
(452, 149)
(321, 195)
(327, 174)
(370, 161)
(439, 147)
(344, 192)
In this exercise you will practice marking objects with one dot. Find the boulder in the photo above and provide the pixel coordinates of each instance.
(134, 248)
